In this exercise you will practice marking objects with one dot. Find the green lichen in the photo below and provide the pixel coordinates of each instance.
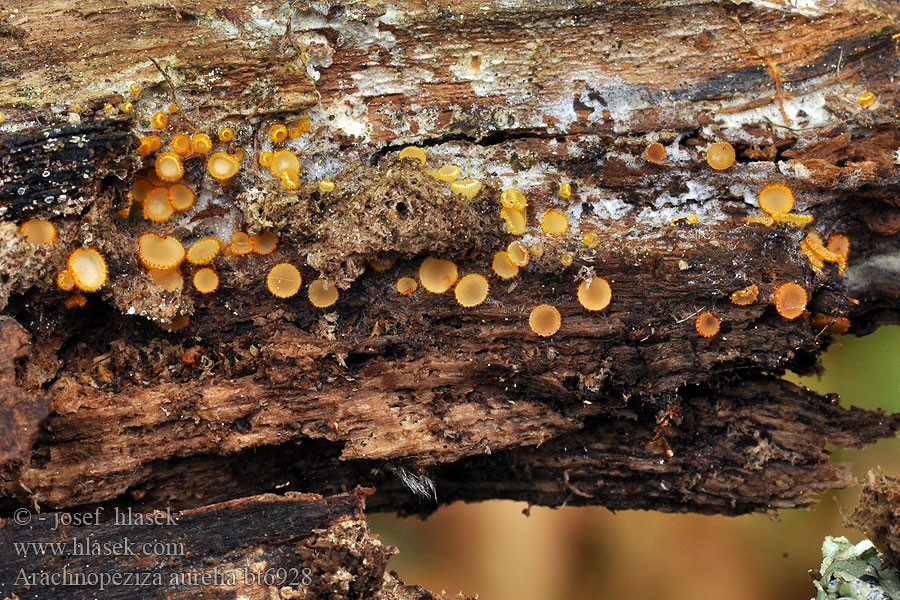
(856, 572)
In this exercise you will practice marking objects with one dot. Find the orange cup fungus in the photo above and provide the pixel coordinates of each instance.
(776, 198)
(655, 153)
(265, 159)
(203, 251)
(157, 207)
(222, 166)
(64, 280)
(169, 167)
(594, 294)
(264, 243)
(707, 324)
(304, 125)
(326, 186)
(554, 222)
(437, 275)
(181, 144)
(88, 269)
(415, 153)
(241, 243)
(284, 280)
(471, 290)
(503, 266)
(834, 325)
(159, 120)
(200, 143)
(407, 285)
(134, 89)
(537, 249)
(181, 197)
(867, 99)
(226, 134)
(206, 281)
(518, 253)
(448, 173)
(278, 133)
(720, 155)
(790, 300)
(38, 231)
(544, 320)
(745, 296)
(294, 132)
(515, 220)
(160, 252)
(591, 240)
(514, 198)
(125, 107)
(75, 300)
(289, 179)
(381, 264)
(839, 244)
(564, 190)
(170, 280)
(467, 188)
(567, 258)
(322, 294)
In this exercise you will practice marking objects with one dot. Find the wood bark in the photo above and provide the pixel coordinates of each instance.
(416, 396)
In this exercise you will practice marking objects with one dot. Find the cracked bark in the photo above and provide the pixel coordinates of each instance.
(628, 408)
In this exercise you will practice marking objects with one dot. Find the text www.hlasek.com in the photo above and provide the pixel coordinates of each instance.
(88, 546)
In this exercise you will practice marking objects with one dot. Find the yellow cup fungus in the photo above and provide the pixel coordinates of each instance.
(413, 152)
(437, 275)
(125, 107)
(567, 258)
(565, 190)
(181, 197)
(265, 159)
(407, 285)
(170, 280)
(206, 281)
(239, 154)
(290, 179)
(448, 173)
(75, 300)
(707, 324)
(304, 125)
(594, 293)
(790, 300)
(203, 251)
(471, 290)
(293, 132)
(839, 244)
(544, 320)
(278, 133)
(222, 166)
(503, 267)
(467, 188)
(720, 155)
(157, 207)
(867, 99)
(172, 108)
(518, 253)
(284, 280)
(322, 294)
(381, 264)
(150, 143)
(159, 120)
(554, 222)
(794, 219)
(655, 153)
(812, 246)
(325, 186)
(134, 89)
(537, 249)
(64, 280)
(515, 220)
(2, 117)
(38, 231)
(88, 269)
(264, 243)
(226, 134)
(776, 198)
(591, 240)
(169, 167)
(241, 243)
(200, 143)
(513, 198)
(745, 296)
(160, 252)
(181, 144)
(284, 160)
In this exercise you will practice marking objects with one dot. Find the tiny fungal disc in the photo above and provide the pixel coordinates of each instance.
(867, 99)
(181, 197)
(284, 160)
(407, 285)
(839, 244)
(76, 299)
(513, 198)
(169, 167)
(776, 198)
(157, 206)
(168, 279)
(159, 120)
(88, 269)
(720, 155)
(181, 144)
(278, 133)
(325, 186)
(201, 144)
(594, 293)
(38, 231)
(381, 264)
(448, 173)
(176, 324)
(655, 153)
(226, 134)
(437, 275)
(222, 166)
(745, 296)
(265, 159)
(64, 280)
(554, 222)
(241, 243)
(565, 190)
(142, 187)
(160, 252)
(503, 267)
(413, 152)
(289, 179)
(515, 220)
(467, 188)
(518, 253)
(264, 243)
(591, 240)
(790, 300)
(203, 251)
(471, 290)
(707, 324)
(322, 294)
(206, 281)
(537, 249)
(544, 320)
(566, 259)
(284, 280)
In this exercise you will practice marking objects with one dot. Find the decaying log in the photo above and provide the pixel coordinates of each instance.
(878, 514)
(415, 395)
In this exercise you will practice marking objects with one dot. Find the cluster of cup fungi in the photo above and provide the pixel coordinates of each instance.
(161, 192)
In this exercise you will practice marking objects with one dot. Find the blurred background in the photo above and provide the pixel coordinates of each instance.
(494, 551)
